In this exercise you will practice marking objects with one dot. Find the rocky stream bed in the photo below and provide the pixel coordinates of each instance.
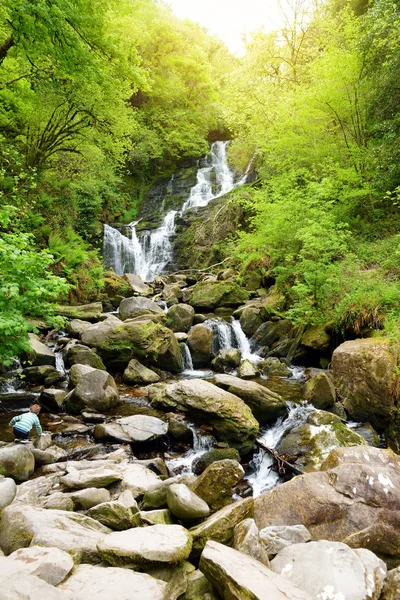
(152, 481)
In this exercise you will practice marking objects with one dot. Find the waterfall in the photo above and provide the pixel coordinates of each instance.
(264, 478)
(231, 335)
(150, 253)
(201, 443)
(187, 357)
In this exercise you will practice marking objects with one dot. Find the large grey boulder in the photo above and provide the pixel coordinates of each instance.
(49, 456)
(215, 485)
(136, 478)
(8, 490)
(52, 399)
(317, 567)
(136, 306)
(23, 525)
(134, 429)
(200, 342)
(76, 327)
(176, 578)
(184, 504)
(78, 354)
(180, 317)
(364, 375)
(39, 353)
(353, 499)
(148, 546)
(136, 373)
(16, 584)
(320, 390)
(119, 342)
(230, 417)
(96, 391)
(98, 477)
(50, 564)
(277, 537)
(17, 461)
(247, 369)
(77, 373)
(266, 405)
(91, 582)
(118, 514)
(237, 576)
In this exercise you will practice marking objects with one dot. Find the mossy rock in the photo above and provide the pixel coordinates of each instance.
(212, 456)
(212, 294)
(316, 338)
(116, 288)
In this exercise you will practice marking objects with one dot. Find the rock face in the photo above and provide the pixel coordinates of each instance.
(96, 390)
(237, 576)
(229, 416)
(137, 373)
(354, 499)
(321, 566)
(17, 462)
(212, 294)
(134, 307)
(180, 317)
(200, 342)
(89, 581)
(364, 376)
(266, 405)
(216, 483)
(159, 544)
(119, 342)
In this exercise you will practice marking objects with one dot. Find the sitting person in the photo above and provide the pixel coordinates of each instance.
(22, 424)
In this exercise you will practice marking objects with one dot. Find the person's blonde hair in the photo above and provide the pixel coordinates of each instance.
(35, 408)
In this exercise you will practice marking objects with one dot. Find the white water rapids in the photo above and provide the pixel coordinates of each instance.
(149, 254)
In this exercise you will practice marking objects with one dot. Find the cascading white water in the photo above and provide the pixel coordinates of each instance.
(201, 443)
(231, 335)
(243, 343)
(186, 357)
(152, 252)
(264, 478)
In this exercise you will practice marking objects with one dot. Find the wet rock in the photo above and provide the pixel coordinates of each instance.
(136, 306)
(215, 484)
(97, 478)
(200, 342)
(238, 576)
(364, 374)
(92, 417)
(180, 317)
(185, 504)
(39, 354)
(227, 359)
(8, 490)
(230, 417)
(179, 431)
(44, 441)
(86, 312)
(317, 567)
(136, 373)
(148, 546)
(217, 454)
(199, 318)
(272, 331)
(181, 337)
(265, 404)
(76, 429)
(211, 294)
(354, 499)
(157, 465)
(246, 539)
(96, 390)
(89, 581)
(277, 537)
(320, 391)
(15, 584)
(37, 375)
(76, 327)
(51, 565)
(220, 526)
(273, 367)
(23, 525)
(250, 319)
(52, 399)
(118, 514)
(78, 354)
(17, 461)
(172, 293)
(87, 498)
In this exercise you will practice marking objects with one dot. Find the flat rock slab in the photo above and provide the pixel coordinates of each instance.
(237, 576)
(50, 564)
(89, 582)
(154, 545)
(16, 584)
(97, 478)
(322, 568)
(143, 428)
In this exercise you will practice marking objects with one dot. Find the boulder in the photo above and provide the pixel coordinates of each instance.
(216, 454)
(277, 537)
(137, 306)
(39, 354)
(52, 399)
(172, 293)
(136, 373)
(38, 374)
(23, 525)
(50, 564)
(272, 331)
(142, 428)
(211, 294)
(89, 582)
(353, 499)
(96, 391)
(230, 417)
(78, 354)
(89, 497)
(77, 373)
(391, 588)
(200, 342)
(273, 367)
(136, 478)
(320, 391)
(146, 546)
(85, 312)
(316, 338)
(17, 461)
(247, 370)
(185, 504)
(121, 341)
(176, 578)
(137, 284)
(76, 327)
(266, 405)
(216, 483)
(179, 431)
(156, 496)
(180, 317)
(58, 501)
(364, 375)
(312, 441)
(110, 432)
(118, 514)
(49, 456)
(154, 517)
(317, 567)
(221, 525)
(8, 490)
(34, 490)
(246, 539)
(250, 319)
(16, 584)
(199, 588)
(97, 477)
(227, 359)
(237, 576)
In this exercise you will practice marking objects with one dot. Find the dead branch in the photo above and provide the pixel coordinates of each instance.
(283, 465)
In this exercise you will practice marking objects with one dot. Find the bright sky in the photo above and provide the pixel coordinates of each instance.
(230, 19)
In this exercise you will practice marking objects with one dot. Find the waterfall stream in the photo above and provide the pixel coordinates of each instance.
(150, 253)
